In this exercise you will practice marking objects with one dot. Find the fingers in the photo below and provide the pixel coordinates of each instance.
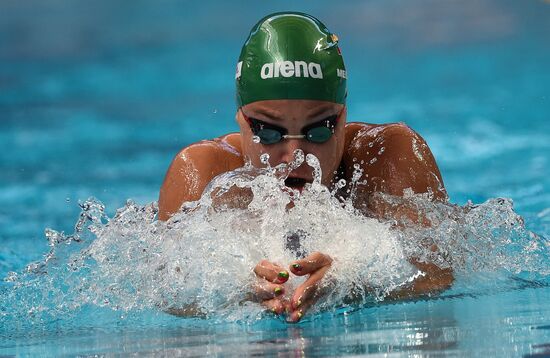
(269, 290)
(265, 290)
(275, 305)
(271, 272)
(296, 315)
(307, 290)
(311, 294)
(310, 264)
(316, 265)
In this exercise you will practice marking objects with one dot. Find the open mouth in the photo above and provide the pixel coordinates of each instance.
(295, 183)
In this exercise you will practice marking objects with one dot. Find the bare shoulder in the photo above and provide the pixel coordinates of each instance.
(359, 134)
(194, 167)
(394, 157)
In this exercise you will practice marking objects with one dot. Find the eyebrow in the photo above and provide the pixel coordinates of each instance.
(268, 113)
(273, 115)
(317, 111)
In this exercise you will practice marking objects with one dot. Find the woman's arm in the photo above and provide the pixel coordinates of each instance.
(397, 160)
(193, 168)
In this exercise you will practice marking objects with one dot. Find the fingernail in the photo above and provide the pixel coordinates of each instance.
(283, 275)
(299, 314)
(297, 267)
(298, 303)
(278, 291)
(274, 310)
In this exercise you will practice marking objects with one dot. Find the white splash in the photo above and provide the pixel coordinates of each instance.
(202, 259)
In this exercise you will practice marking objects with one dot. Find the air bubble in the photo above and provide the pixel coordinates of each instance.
(256, 139)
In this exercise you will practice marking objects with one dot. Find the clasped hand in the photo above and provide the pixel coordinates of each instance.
(270, 285)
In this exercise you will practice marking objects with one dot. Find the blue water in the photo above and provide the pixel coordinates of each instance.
(96, 99)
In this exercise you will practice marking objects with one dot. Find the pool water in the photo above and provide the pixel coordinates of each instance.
(95, 100)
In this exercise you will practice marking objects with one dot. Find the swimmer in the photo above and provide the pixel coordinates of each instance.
(291, 94)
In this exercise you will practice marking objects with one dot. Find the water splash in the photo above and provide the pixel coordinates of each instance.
(201, 260)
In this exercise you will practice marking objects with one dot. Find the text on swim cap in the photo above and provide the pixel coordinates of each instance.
(341, 73)
(291, 69)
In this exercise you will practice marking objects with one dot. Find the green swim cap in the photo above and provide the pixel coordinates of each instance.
(290, 55)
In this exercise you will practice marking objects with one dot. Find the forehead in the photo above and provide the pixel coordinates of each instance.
(292, 108)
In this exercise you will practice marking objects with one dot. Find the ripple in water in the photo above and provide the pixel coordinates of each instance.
(202, 258)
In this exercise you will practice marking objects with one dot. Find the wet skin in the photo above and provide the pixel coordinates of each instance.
(394, 158)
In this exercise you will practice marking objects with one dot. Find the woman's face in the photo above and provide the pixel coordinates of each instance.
(294, 115)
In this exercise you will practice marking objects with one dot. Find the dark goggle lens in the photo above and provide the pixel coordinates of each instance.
(319, 134)
(269, 136)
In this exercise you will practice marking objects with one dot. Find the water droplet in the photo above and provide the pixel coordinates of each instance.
(373, 160)
(313, 162)
(256, 139)
(341, 183)
(381, 150)
(298, 159)
(371, 144)
(264, 159)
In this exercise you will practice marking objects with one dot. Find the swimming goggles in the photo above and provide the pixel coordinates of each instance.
(317, 132)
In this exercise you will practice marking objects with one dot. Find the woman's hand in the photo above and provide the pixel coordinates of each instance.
(269, 289)
(315, 265)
